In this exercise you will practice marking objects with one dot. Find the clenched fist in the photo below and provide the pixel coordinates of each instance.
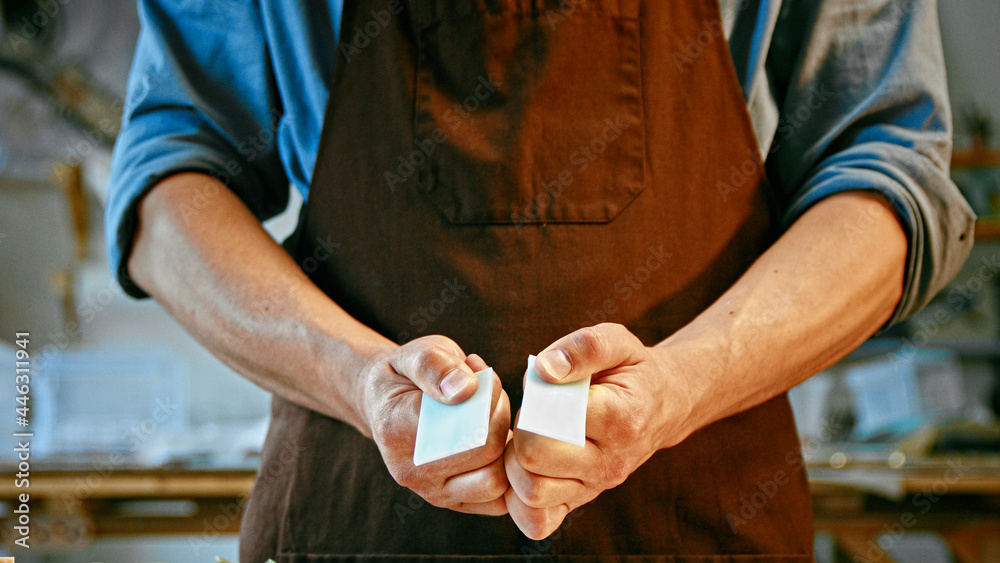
(637, 405)
(472, 481)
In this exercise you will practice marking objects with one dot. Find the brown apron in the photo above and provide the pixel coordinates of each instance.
(503, 172)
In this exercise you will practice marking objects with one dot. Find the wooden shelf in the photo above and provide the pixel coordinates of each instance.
(957, 502)
(152, 483)
(70, 509)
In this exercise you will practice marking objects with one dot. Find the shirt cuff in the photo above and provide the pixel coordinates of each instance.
(145, 154)
(938, 222)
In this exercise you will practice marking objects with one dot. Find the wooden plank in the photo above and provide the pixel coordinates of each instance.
(133, 484)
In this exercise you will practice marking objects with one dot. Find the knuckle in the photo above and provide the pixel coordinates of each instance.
(529, 490)
(534, 496)
(534, 530)
(538, 527)
(437, 498)
(429, 356)
(436, 340)
(614, 472)
(619, 334)
(407, 477)
(631, 428)
(494, 484)
(529, 456)
(590, 342)
(493, 449)
(611, 327)
(625, 421)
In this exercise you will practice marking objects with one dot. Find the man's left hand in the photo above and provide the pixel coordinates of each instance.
(638, 404)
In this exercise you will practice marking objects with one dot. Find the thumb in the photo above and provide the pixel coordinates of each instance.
(588, 351)
(438, 367)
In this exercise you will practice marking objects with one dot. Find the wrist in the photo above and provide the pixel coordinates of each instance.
(344, 355)
(370, 363)
(685, 392)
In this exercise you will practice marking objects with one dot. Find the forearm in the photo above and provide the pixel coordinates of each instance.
(823, 288)
(215, 269)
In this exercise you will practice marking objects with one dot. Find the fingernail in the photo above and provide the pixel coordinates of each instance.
(454, 382)
(557, 363)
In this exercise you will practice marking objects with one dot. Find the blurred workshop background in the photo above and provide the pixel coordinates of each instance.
(144, 446)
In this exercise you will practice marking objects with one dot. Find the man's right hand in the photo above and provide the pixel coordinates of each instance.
(472, 481)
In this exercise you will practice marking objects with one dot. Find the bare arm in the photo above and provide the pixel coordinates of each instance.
(215, 269)
(202, 254)
(831, 281)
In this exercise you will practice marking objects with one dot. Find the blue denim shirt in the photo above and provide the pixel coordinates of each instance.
(843, 95)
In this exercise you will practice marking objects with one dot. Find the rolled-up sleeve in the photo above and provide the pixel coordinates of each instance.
(865, 107)
(201, 97)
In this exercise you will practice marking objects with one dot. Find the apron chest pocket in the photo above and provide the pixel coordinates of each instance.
(529, 111)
